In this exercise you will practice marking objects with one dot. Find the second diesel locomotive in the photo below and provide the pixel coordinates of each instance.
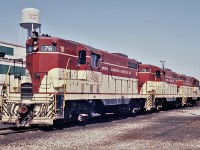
(71, 81)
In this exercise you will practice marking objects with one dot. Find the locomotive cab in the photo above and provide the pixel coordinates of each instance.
(148, 74)
(150, 83)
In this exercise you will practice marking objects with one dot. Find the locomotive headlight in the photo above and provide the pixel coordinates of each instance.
(35, 42)
(35, 48)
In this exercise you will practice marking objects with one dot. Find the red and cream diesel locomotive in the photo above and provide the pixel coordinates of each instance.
(71, 81)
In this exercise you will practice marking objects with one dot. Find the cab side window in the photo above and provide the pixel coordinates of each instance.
(95, 60)
(157, 73)
(132, 65)
(82, 57)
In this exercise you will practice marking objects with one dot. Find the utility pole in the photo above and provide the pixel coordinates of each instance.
(163, 64)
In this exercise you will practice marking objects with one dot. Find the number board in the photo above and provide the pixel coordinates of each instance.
(46, 48)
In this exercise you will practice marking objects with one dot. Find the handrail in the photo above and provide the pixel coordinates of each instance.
(7, 72)
(65, 79)
(51, 81)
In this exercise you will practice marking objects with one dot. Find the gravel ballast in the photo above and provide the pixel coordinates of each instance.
(175, 129)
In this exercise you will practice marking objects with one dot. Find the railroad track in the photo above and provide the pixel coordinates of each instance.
(14, 130)
(95, 120)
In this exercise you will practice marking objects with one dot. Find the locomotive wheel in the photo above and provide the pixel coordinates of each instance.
(103, 114)
(198, 102)
(123, 110)
(158, 105)
(158, 108)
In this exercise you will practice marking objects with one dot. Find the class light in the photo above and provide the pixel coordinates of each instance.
(54, 43)
(35, 35)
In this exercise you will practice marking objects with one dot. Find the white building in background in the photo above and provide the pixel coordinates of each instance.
(8, 53)
(11, 51)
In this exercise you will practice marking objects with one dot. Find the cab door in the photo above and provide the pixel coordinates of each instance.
(96, 74)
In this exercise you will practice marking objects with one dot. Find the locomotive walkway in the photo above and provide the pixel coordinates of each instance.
(173, 129)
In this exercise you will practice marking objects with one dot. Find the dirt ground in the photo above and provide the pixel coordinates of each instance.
(173, 129)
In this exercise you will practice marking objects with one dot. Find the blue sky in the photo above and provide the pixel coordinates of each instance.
(146, 30)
